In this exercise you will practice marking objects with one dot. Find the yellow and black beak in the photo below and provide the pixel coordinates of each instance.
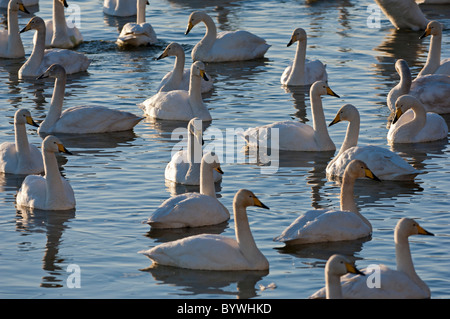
(62, 149)
(330, 92)
(31, 121)
(293, 39)
(425, 34)
(26, 28)
(203, 75)
(337, 119)
(189, 28)
(64, 2)
(23, 9)
(162, 56)
(371, 175)
(258, 203)
(398, 113)
(219, 170)
(422, 231)
(353, 270)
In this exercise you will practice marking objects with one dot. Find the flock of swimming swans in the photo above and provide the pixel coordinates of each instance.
(415, 106)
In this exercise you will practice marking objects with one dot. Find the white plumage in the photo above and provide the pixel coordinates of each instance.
(11, 45)
(434, 64)
(403, 14)
(120, 8)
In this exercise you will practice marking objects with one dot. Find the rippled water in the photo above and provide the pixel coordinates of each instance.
(118, 179)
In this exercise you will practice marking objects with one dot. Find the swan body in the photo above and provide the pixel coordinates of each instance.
(21, 157)
(40, 59)
(224, 46)
(179, 77)
(434, 64)
(81, 119)
(180, 105)
(302, 71)
(432, 90)
(11, 45)
(51, 191)
(324, 225)
(216, 252)
(412, 124)
(296, 136)
(385, 164)
(119, 8)
(60, 33)
(185, 165)
(403, 14)
(193, 209)
(140, 33)
(400, 283)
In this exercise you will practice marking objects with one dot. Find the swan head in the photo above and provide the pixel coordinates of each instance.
(408, 226)
(16, 5)
(321, 88)
(23, 116)
(212, 160)
(339, 265)
(246, 198)
(358, 169)
(402, 68)
(54, 71)
(433, 28)
(195, 18)
(171, 50)
(54, 145)
(36, 23)
(195, 127)
(403, 104)
(298, 35)
(198, 69)
(346, 113)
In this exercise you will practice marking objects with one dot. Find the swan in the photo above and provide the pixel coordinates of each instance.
(402, 283)
(337, 266)
(41, 59)
(59, 32)
(81, 119)
(302, 71)
(224, 46)
(51, 191)
(216, 252)
(415, 125)
(403, 14)
(385, 164)
(26, 3)
(119, 8)
(140, 33)
(434, 64)
(323, 225)
(180, 105)
(21, 157)
(193, 209)
(11, 45)
(184, 167)
(296, 136)
(432, 90)
(179, 77)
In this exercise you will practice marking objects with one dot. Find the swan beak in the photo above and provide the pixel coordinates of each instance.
(218, 169)
(43, 76)
(62, 149)
(31, 121)
(398, 113)
(64, 2)
(23, 9)
(189, 28)
(337, 119)
(422, 231)
(203, 75)
(330, 92)
(147, 3)
(371, 175)
(258, 203)
(293, 39)
(353, 270)
(26, 28)
(425, 34)
(162, 56)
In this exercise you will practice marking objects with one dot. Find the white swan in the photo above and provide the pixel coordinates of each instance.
(140, 33)
(184, 167)
(26, 3)
(81, 119)
(297, 136)
(119, 8)
(403, 14)
(432, 90)
(11, 45)
(224, 46)
(335, 268)
(434, 64)
(402, 283)
(303, 71)
(60, 33)
(193, 209)
(216, 252)
(385, 164)
(21, 157)
(51, 191)
(179, 105)
(323, 225)
(40, 59)
(415, 125)
(179, 77)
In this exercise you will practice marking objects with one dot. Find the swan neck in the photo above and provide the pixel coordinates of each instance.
(211, 31)
(56, 104)
(21, 139)
(319, 124)
(298, 67)
(244, 235)
(351, 137)
(434, 56)
(178, 68)
(37, 55)
(333, 286)
(54, 185)
(348, 198)
(14, 40)
(405, 82)
(59, 19)
(195, 93)
(140, 18)
(207, 180)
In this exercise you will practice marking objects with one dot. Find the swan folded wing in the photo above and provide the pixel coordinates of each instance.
(173, 105)
(204, 252)
(133, 30)
(238, 45)
(315, 70)
(435, 129)
(433, 91)
(33, 192)
(72, 61)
